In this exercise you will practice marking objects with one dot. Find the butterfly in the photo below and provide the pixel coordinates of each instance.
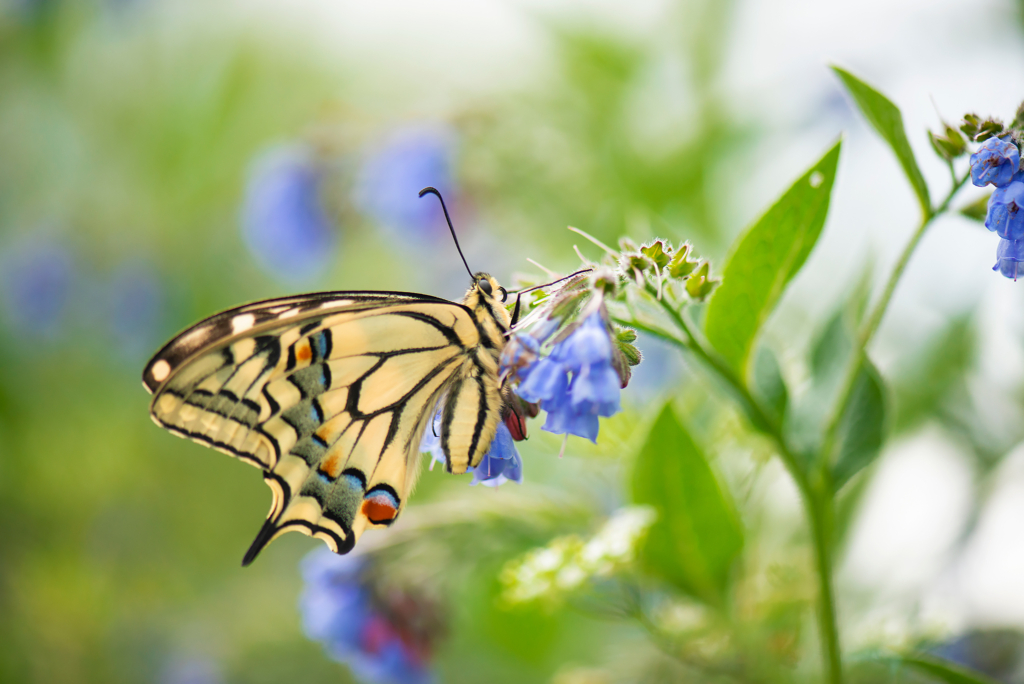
(329, 395)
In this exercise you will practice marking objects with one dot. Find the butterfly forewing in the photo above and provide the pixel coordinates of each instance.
(329, 394)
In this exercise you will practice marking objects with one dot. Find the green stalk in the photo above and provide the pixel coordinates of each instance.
(820, 513)
(816, 498)
(816, 491)
(694, 342)
(874, 320)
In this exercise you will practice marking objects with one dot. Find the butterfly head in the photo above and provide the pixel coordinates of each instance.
(486, 287)
(487, 299)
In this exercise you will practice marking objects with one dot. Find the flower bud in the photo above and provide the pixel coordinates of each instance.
(681, 266)
(949, 145)
(970, 126)
(700, 285)
(988, 129)
(605, 281)
(656, 252)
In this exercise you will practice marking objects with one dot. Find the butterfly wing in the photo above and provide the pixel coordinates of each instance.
(328, 394)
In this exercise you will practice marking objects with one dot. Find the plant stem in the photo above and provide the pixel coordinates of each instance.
(874, 320)
(819, 505)
(694, 342)
(820, 490)
(815, 487)
(816, 498)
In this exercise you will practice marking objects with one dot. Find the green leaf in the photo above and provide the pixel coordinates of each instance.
(861, 428)
(697, 536)
(832, 348)
(769, 386)
(930, 379)
(977, 210)
(943, 670)
(887, 120)
(765, 259)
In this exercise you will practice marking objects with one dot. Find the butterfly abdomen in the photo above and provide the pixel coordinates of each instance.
(471, 413)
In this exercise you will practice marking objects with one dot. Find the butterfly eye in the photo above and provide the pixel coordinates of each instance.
(504, 294)
(485, 286)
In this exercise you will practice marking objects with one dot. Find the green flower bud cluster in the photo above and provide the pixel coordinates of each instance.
(659, 260)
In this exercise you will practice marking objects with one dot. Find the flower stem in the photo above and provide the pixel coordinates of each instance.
(871, 325)
(694, 342)
(820, 499)
(816, 498)
(874, 320)
(820, 513)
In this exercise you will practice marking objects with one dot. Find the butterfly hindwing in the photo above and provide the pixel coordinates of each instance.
(329, 395)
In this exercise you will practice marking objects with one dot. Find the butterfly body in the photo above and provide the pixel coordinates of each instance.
(329, 394)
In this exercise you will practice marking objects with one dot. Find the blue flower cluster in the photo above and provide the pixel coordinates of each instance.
(284, 221)
(502, 462)
(575, 383)
(997, 162)
(339, 610)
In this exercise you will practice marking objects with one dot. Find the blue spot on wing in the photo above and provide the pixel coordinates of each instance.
(351, 481)
(318, 343)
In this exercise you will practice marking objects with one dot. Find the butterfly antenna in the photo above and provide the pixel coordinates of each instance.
(520, 293)
(434, 191)
(553, 282)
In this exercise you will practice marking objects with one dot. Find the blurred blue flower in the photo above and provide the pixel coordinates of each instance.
(37, 283)
(284, 221)
(339, 610)
(391, 177)
(1005, 217)
(1009, 254)
(995, 162)
(499, 465)
(996, 652)
(431, 441)
(135, 310)
(523, 348)
(574, 404)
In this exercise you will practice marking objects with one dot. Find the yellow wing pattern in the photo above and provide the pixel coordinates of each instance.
(329, 394)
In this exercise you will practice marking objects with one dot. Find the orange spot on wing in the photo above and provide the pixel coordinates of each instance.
(332, 465)
(379, 510)
(304, 353)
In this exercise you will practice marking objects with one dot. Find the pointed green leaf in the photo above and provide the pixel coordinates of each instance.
(861, 428)
(887, 120)
(977, 210)
(765, 258)
(697, 536)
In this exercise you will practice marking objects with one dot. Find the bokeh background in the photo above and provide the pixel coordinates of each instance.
(161, 160)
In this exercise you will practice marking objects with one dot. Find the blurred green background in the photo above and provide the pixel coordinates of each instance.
(160, 161)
